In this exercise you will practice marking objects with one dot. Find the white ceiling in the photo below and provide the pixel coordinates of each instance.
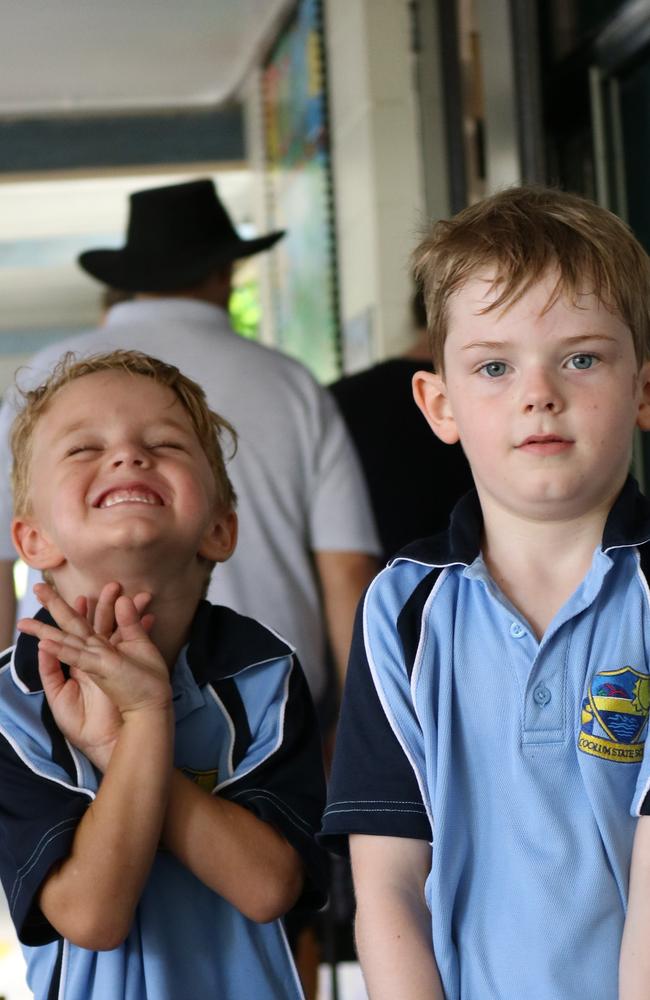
(101, 55)
(94, 56)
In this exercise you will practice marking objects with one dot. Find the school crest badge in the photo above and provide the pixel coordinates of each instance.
(207, 780)
(615, 715)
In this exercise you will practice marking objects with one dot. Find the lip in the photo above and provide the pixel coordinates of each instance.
(545, 444)
(134, 485)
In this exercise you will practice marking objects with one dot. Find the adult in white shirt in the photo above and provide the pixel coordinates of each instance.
(307, 540)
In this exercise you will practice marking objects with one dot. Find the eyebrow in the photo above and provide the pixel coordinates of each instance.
(581, 338)
(81, 426)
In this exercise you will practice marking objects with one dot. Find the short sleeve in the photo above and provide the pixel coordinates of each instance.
(38, 819)
(373, 789)
(341, 517)
(281, 777)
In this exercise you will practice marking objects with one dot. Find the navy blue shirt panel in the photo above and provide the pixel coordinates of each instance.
(27, 853)
(369, 756)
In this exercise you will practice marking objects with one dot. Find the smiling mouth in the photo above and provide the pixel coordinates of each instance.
(129, 495)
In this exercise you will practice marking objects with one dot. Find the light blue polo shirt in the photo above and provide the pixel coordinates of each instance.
(246, 730)
(521, 761)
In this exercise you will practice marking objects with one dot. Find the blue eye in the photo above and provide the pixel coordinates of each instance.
(494, 369)
(581, 362)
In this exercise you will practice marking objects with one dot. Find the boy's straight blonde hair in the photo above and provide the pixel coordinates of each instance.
(518, 236)
(209, 426)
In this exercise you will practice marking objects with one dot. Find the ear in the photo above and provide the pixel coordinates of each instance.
(643, 415)
(219, 541)
(33, 546)
(430, 394)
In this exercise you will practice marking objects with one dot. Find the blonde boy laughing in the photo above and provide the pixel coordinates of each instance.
(158, 794)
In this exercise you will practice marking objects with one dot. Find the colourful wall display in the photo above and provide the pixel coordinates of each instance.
(298, 163)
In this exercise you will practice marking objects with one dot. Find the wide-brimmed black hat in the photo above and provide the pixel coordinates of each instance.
(175, 237)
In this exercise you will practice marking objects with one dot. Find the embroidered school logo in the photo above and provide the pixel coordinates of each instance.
(204, 779)
(615, 715)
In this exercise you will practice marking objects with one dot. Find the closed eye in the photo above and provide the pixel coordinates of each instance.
(78, 449)
(175, 445)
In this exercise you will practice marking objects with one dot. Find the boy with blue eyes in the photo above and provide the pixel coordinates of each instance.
(160, 771)
(489, 774)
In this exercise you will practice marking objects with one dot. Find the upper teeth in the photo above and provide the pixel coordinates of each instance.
(124, 496)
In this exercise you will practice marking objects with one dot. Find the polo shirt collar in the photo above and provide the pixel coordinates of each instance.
(460, 544)
(166, 311)
(221, 644)
(627, 525)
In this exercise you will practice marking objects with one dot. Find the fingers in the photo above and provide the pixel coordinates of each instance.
(89, 654)
(128, 619)
(81, 606)
(141, 601)
(104, 617)
(67, 618)
(51, 675)
(88, 615)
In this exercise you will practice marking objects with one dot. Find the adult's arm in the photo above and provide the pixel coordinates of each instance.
(343, 578)
(393, 923)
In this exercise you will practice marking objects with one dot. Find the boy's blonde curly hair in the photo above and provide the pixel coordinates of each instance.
(519, 235)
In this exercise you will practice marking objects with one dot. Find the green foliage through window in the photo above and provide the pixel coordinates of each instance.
(245, 309)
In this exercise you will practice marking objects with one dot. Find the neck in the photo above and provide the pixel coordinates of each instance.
(173, 600)
(539, 564)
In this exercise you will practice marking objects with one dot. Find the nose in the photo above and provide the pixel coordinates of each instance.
(541, 392)
(130, 455)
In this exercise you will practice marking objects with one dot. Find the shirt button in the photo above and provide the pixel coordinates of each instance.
(517, 630)
(541, 695)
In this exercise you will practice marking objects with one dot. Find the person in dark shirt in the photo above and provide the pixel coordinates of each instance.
(414, 479)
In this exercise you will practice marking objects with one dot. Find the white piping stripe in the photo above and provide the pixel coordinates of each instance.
(42, 774)
(70, 824)
(386, 707)
(419, 655)
(285, 942)
(258, 663)
(278, 742)
(627, 545)
(14, 673)
(431, 565)
(278, 635)
(367, 809)
(64, 969)
(279, 805)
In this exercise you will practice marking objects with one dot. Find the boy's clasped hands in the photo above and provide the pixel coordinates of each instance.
(115, 669)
